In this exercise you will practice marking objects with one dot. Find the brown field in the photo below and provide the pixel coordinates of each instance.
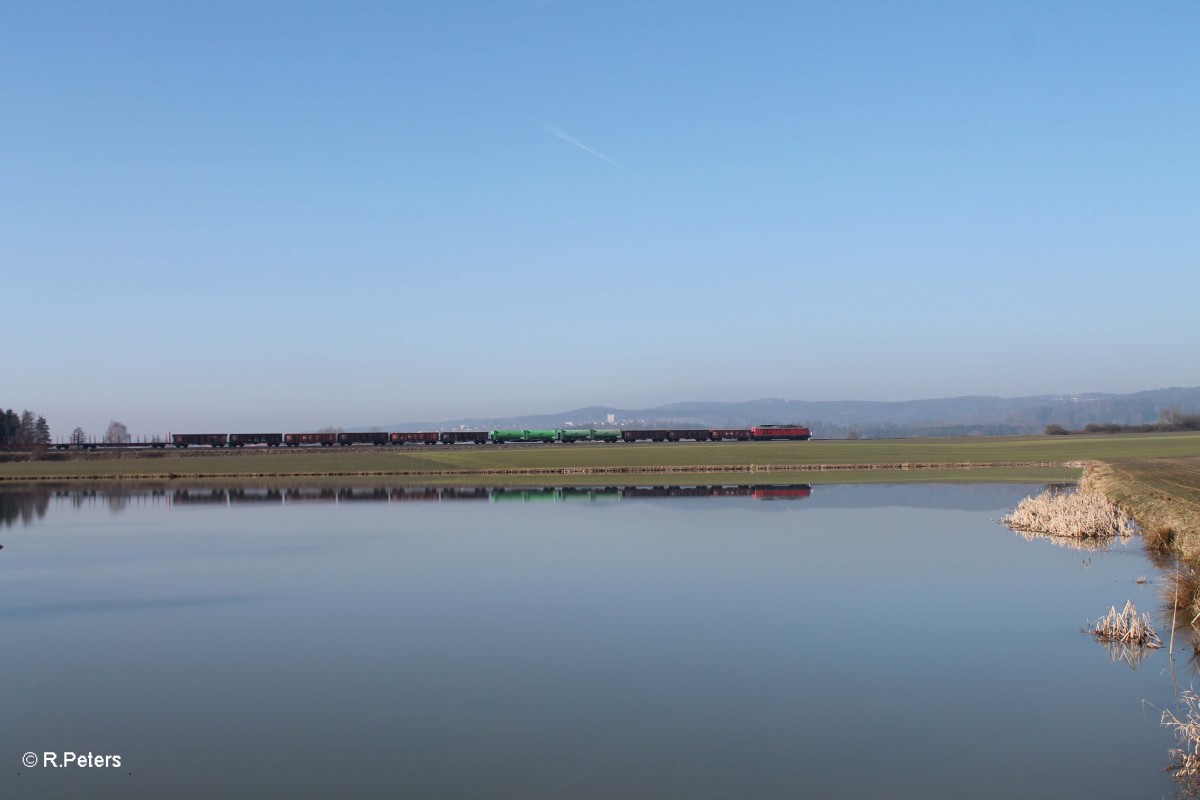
(1160, 493)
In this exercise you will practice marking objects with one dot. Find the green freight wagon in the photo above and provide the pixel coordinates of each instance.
(580, 435)
(501, 437)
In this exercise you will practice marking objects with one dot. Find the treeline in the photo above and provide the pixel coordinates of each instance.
(26, 429)
(1169, 419)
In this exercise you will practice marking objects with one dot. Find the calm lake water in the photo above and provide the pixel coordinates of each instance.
(838, 641)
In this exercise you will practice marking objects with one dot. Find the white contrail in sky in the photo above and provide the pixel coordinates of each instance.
(569, 139)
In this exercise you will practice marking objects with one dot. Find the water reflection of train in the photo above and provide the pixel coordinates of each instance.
(541, 494)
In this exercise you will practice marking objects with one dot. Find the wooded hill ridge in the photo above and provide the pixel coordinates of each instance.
(832, 419)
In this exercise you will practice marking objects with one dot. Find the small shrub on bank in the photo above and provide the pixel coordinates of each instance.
(1159, 539)
(1181, 592)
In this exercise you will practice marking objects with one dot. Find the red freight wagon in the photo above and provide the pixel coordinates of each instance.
(368, 437)
(795, 432)
(243, 439)
(323, 439)
(474, 437)
(188, 439)
(405, 437)
(741, 434)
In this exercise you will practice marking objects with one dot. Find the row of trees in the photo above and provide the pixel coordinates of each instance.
(1169, 419)
(26, 429)
(117, 433)
(29, 429)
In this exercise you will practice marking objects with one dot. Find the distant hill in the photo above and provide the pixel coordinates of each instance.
(951, 416)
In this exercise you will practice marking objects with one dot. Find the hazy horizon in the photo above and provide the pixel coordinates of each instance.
(257, 420)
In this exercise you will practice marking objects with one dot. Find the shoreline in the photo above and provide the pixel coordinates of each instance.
(682, 469)
(1031, 458)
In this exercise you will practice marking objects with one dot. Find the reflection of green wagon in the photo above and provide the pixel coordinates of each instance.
(524, 496)
(501, 437)
(588, 495)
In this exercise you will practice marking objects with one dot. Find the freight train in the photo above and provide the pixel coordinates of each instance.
(758, 433)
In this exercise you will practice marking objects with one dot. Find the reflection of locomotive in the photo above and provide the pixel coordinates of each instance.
(758, 433)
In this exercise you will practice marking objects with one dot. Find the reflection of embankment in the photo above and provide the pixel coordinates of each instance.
(548, 494)
(25, 504)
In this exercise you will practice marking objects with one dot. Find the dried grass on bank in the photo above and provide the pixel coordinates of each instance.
(1186, 727)
(1181, 592)
(1070, 515)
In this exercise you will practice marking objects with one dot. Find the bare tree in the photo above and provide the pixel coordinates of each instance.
(28, 424)
(117, 433)
(78, 437)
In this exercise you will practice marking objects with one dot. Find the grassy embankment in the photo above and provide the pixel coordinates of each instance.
(1161, 494)
(1024, 458)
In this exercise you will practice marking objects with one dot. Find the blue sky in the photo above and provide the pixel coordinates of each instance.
(288, 215)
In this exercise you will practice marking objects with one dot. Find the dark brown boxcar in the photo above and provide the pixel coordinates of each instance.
(655, 435)
(414, 437)
(474, 437)
(297, 439)
(188, 439)
(741, 434)
(243, 439)
(695, 434)
(368, 437)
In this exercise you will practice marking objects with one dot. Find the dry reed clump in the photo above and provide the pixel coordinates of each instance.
(1072, 515)
(1186, 758)
(1126, 627)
